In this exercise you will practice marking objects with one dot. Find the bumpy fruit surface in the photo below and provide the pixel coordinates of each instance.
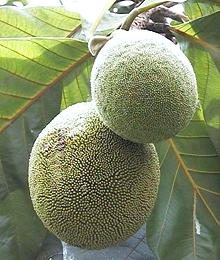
(90, 187)
(144, 86)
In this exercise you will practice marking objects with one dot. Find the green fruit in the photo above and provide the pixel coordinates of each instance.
(144, 86)
(90, 187)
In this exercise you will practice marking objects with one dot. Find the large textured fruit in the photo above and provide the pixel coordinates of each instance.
(90, 187)
(144, 86)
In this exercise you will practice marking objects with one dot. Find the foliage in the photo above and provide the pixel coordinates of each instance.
(43, 69)
(186, 220)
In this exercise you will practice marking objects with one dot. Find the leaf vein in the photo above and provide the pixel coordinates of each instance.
(51, 25)
(200, 171)
(13, 95)
(56, 12)
(209, 191)
(49, 50)
(198, 155)
(192, 136)
(28, 58)
(208, 208)
(162, 161)
(17, 28)
(48, 86)
(22, 77)
(167, 208)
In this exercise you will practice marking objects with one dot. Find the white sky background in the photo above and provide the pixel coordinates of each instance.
(35, 2)
(67, 3)
(43, 2)
(87, 8)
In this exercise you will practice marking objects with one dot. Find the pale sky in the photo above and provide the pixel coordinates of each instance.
(73, 5)
(43, 2)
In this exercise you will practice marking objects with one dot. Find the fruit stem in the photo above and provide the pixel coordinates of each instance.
(139, 10)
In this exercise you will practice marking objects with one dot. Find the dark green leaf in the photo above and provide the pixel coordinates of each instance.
(21, 232)
(202, 31)
(200, 40)
(185, 223)
(186, 220)
(18, 223)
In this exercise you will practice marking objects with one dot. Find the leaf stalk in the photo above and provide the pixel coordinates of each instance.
(136, 11)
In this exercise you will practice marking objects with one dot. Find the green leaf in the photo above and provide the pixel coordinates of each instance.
(30, 69)
(202, 32)
(33, 73)
(21, 232)
(38, 21)
(200, 40)
(31, 66)
(185, 223)
(77, 85)
(198, 8)
(16, 211)
(186, 220)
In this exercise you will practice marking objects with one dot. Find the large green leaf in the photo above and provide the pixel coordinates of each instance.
(38, 21)
(202, 32)
(185, 223)
(202, 39)
(30, 69)
(34, 72)
(31, 66)
(21, 232)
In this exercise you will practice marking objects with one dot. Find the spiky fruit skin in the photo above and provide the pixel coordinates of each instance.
(144, 86)
(90, 187)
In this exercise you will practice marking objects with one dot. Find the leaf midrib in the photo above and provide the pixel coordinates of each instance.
(198, 41)
(191, 180)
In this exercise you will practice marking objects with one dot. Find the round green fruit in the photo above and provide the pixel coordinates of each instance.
(144, 86)
(90, 187)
